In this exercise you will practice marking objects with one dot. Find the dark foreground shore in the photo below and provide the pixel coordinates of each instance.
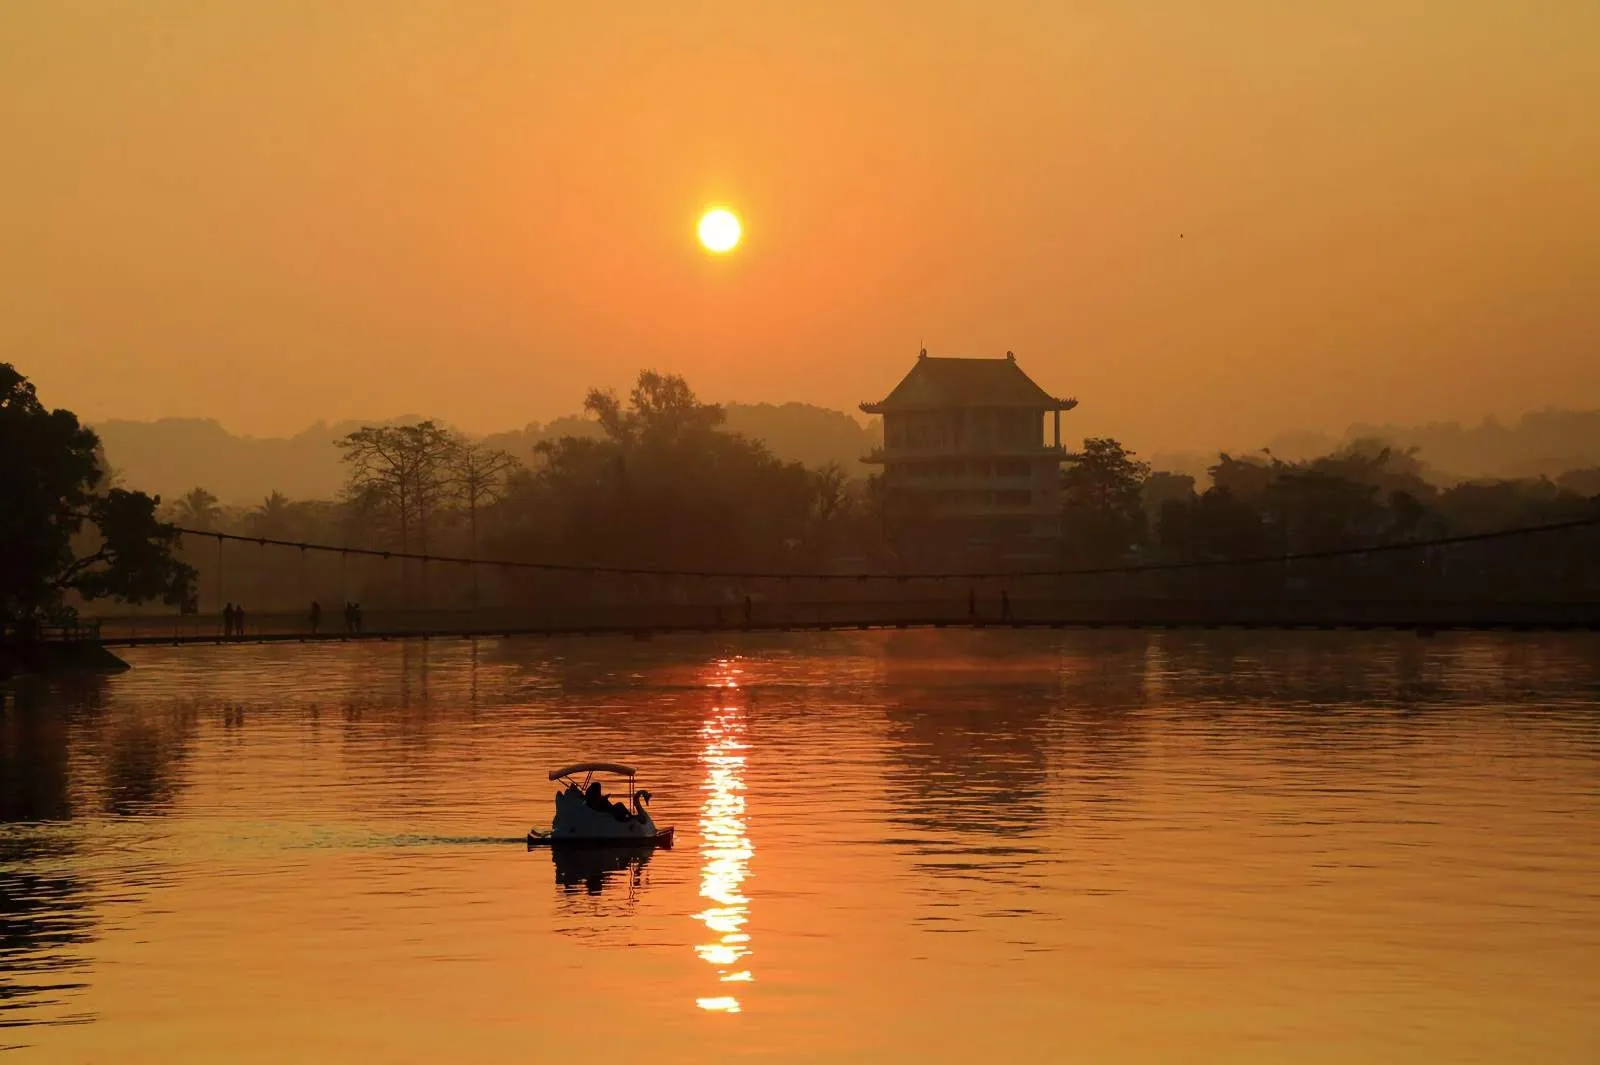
(49, 657)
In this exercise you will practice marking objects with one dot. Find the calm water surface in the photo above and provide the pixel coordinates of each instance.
(906, 847)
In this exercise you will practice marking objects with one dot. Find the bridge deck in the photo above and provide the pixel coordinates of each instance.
(772, 618)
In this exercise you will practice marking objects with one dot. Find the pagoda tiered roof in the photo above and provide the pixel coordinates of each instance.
(945, 383)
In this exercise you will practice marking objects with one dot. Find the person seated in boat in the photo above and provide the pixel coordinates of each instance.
(595, 799)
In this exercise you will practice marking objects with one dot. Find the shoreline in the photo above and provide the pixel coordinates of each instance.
(55, 657)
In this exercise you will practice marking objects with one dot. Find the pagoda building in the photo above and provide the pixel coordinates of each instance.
(964, 443)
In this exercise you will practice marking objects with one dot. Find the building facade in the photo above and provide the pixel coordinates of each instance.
(964, 445)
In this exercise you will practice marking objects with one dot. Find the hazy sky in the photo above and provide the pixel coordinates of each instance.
(280, 211)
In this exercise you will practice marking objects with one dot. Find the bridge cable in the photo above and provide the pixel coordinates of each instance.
(1139, 567)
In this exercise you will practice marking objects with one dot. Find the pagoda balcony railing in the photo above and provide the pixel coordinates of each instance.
(879, 455)
(964, 482)
(1035, 509)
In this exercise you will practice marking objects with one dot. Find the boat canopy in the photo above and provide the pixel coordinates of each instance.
(592, 767)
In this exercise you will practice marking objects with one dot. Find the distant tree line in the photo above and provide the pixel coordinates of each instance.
(662, 484)
(656, 480)
(1116, 510)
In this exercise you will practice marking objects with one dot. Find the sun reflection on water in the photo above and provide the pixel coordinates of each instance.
(724, 846)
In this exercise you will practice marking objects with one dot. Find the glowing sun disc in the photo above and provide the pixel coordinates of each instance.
(719, 230)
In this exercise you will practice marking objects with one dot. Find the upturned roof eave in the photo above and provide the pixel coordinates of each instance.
(1044, 403)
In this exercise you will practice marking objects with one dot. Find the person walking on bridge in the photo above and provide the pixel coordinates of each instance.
(227, 620)
(316, 616)
(238, 621)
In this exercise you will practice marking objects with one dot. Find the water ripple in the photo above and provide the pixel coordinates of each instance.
(1248, 847)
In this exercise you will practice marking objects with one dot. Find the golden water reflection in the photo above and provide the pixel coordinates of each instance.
(724, 846)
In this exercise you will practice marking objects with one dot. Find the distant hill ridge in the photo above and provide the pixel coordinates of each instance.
(169, 456)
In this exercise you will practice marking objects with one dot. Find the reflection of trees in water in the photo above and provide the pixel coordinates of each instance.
(45, 917)
(977, 724)
(63, 749)
(416, 659)
(641, 703)
(1241, 668)
(1230, 670)
(967, 732)
(34, 773)
(60, 741)
(44, 911)
(144, 758)
(1107, 685)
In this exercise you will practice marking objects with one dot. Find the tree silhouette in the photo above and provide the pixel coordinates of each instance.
(60, 530)
(665, 485)
(1102, 501)
(403, 469)
(479, 476)
(197, 509)
(274, 518)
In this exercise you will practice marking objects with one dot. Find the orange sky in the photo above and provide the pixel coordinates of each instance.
(274, 213)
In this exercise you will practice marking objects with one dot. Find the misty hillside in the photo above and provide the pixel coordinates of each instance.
(1544, 443)
(172, 455)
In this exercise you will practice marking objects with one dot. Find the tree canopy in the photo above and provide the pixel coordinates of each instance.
(62, 530)
(664, 486)
(1102, 503)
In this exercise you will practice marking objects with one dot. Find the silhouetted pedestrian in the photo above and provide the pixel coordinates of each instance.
(972, 602)
(227, 620)
(1005, 606)
(355, 612)
(238, 620)
(316, 616)
(748, 607)
(349, 616)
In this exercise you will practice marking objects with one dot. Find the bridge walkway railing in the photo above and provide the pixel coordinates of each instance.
(1282, 612)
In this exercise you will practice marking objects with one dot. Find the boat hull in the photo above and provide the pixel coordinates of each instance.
(663, 838)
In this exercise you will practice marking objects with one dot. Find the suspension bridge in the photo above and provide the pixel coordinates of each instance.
(1539, 577)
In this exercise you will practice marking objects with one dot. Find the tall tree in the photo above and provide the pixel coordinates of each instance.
(274, 517)
(60, 530)
(1101, 500)
(829, 499)
(479, 475)
(1162, 487)
(197, 509)
(660, 407)
(402, 468)
(664, 486)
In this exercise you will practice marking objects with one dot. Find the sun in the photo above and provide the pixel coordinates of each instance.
(719, 230)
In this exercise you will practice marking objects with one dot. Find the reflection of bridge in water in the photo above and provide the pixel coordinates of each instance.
(1540, 577)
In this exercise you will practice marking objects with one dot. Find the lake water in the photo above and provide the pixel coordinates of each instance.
(893, 847)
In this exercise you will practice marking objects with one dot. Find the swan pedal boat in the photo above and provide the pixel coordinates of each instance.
(577, 824)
